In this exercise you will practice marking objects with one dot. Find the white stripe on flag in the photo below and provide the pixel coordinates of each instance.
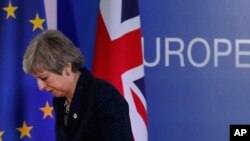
(139, 127)
(51, 13)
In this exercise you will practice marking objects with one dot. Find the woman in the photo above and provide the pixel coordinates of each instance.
(86, 108)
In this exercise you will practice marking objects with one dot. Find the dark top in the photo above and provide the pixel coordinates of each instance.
(97, 113)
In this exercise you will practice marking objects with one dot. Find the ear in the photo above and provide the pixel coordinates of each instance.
(68, 69)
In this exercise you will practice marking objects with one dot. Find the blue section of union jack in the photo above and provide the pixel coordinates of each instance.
(119, 59)
(132, 11)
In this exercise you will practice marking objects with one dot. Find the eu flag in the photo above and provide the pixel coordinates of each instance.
(25, 113)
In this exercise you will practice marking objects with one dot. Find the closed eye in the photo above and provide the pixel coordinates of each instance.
(44, 78)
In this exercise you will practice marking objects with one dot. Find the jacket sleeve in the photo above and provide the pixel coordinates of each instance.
(113, 115)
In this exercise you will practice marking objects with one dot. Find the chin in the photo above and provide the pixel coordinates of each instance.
(58, 94)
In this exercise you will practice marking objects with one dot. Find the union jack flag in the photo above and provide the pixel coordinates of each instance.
(119, 59)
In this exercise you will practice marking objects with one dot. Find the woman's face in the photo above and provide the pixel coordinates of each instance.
(54, 83)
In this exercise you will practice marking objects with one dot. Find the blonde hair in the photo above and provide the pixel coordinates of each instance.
(52, 51)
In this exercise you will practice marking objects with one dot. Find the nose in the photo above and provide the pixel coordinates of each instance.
(41, 84)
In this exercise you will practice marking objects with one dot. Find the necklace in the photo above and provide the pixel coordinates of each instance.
(67, 107)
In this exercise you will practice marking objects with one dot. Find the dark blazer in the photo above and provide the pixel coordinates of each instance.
(97, 113)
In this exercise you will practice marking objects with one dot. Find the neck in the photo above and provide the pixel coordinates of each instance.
(73, 86)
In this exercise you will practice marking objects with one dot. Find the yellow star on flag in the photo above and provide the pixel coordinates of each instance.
(47, 110)
(37, 22)
(25, 130)
(10, 10)
(1, 133)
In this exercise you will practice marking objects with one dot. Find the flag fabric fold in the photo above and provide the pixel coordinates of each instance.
(118, 57)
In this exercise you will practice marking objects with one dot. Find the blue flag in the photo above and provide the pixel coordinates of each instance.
(25, 113)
